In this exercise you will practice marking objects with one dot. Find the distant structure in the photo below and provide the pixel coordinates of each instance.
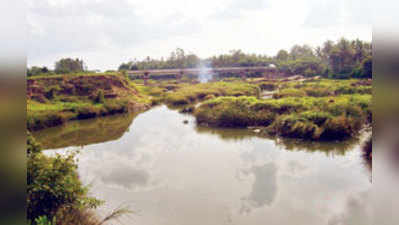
(267, 72)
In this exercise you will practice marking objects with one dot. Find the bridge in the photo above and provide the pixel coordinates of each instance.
(243, 72)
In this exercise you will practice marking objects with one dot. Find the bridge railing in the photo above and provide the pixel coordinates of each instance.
(200, 70)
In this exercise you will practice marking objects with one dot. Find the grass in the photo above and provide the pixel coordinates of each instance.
(335, 117)
(55, 113)
(268, 86)
(192, 93)
(322, 88)
(56, 99)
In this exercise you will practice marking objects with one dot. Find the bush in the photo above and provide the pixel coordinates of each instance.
(43, 220)
(52, 182)
(32, 146)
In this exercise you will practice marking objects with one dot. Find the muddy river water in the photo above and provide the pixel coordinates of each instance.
(175, 173)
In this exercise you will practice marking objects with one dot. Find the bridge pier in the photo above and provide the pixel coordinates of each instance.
(179, 76)
(243, 75)
(146, 77)
(265, 75)
(270, 74)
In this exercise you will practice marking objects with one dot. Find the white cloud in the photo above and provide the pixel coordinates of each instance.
(329, 13)
(106, 33)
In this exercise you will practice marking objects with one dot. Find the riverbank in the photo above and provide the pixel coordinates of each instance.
(53, 100)
(158, 150)
(322, 109)
(312, 109)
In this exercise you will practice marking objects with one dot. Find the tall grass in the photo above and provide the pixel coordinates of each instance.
(301, 117)
(192, 93)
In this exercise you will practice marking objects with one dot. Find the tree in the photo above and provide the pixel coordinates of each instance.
(282, 55)
(343, 54)
(125, 66)
(177, 59)
(367, 68)
(298, 51)
(68, 65)
(359, 51)
(35, 70)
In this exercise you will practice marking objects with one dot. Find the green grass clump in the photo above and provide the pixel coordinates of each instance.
(322, 88)
(289, 92)
(192, 93)
(300, 117)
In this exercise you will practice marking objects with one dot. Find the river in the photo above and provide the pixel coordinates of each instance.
(170, 172)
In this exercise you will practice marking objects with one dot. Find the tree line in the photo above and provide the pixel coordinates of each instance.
(62, 66)
(334, 59)
(341, 59)
(177, 59)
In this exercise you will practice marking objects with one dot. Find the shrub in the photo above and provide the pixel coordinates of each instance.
(32, 146)
(43, 220)
(53, 182)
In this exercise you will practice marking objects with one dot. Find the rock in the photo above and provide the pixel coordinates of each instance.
(257, 130)
(185, 121)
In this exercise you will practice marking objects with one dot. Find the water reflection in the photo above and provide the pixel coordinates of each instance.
(176, 173)
(367, 152)
(358, 210)
(329, 147)
(129, 178)
(264, 188)
(85, 132)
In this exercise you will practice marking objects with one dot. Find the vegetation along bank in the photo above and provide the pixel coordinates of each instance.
(322, 109)
(53, 100)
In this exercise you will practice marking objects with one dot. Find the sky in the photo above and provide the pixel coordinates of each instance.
(106, 33)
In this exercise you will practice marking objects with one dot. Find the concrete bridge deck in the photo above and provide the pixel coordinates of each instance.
(263, 69)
